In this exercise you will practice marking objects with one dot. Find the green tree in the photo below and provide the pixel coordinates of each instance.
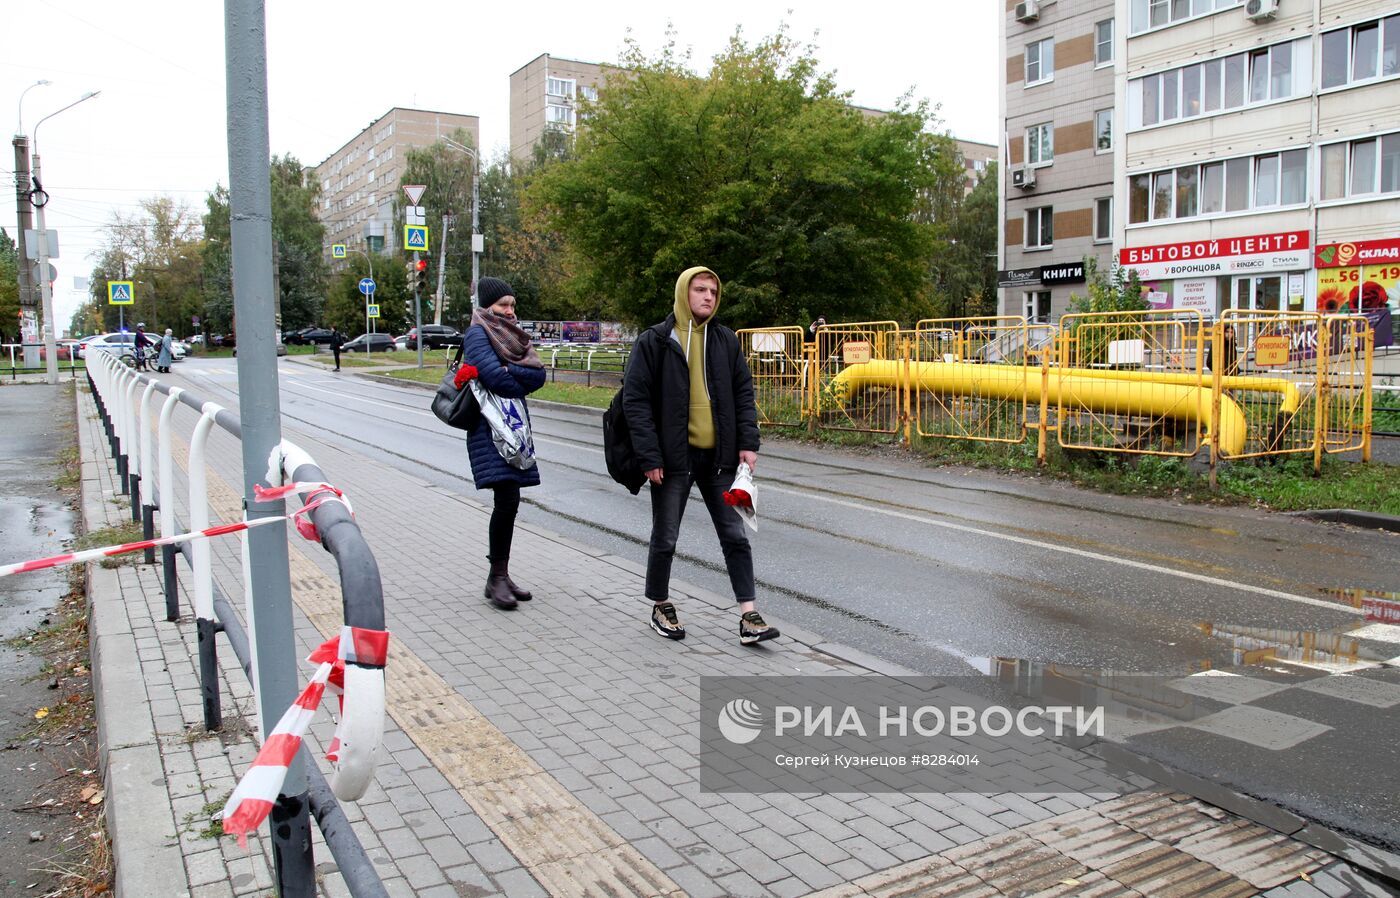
(297, 236)
(965, 270)
(9, 288)
(446, 172)
(345, 304)
(1120, 291)
(760, 169)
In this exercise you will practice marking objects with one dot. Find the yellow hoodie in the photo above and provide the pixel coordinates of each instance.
(692, 335)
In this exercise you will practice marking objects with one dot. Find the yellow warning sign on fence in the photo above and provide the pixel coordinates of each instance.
(1271, 351)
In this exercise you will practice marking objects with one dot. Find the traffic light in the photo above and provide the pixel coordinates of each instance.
(420, 275)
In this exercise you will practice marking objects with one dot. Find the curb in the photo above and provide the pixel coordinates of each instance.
(1367, 519)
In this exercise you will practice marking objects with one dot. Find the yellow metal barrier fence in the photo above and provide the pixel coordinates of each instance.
(972, 378)
(782, 370)
(1349, 344)
(1131, 382)
(1270, 370)
(869, 405)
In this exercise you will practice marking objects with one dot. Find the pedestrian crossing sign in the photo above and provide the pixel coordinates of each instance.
(121, 293)
(415, 237)
(337, 250)
(374, 310)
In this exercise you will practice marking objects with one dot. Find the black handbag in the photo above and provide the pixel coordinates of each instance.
(454, 407)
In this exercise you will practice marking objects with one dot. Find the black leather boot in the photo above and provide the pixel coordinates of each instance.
(521, 595)
(498, 587)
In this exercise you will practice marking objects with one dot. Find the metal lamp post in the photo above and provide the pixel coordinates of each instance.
(476, 221)
(40, 199)
(368, 297)
(24, 214)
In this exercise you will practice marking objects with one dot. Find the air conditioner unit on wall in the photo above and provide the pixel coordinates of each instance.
(1260, 10)
(1027, 11)
(1023, 177)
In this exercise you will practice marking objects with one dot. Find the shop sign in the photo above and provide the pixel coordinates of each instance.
(1197, 295)
(1259, 244)
(1071, 273)
(1018, 277)
(1358, 252)
(1286, 261)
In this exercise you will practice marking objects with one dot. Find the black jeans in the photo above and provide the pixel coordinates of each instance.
(668, 506)
(502, 529)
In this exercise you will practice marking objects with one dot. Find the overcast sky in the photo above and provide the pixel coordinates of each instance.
(159, 125)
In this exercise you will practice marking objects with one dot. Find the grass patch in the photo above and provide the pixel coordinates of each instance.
(575, 394)
(70, 469)
(128, 532)
(208, 821)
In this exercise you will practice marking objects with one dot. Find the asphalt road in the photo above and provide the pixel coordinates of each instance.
(951, 572)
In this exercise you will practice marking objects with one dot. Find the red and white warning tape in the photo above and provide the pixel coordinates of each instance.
(253, 799)
(301, 518)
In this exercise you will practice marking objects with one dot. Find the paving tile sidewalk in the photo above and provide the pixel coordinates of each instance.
(553, 751)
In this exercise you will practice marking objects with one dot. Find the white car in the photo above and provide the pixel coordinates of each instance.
(122, 344)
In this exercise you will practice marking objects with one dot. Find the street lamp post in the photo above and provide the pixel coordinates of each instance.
(368, 297)
(476, 220)
(23, 214)
(40, 199)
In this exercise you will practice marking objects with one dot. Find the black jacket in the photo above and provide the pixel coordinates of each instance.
(656, 399)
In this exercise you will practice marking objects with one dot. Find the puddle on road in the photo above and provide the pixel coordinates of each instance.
(31, 528)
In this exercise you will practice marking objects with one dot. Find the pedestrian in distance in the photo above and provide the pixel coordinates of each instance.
(817, 325)
(1229, 353)
(337, 338)
(140, 345)
(506, 364)
(167, 351)
(689, 403)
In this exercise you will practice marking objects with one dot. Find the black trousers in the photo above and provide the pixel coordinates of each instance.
(668, 507)
(503, 512)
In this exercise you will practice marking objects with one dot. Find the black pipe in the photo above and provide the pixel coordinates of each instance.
(361, 589)
(291, 847)
(148, 531)
(135, 497)
(172, 591)
(209, 674)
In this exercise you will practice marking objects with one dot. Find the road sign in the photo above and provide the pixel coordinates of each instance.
(415, 237)
(31, 243)
(121, 293)
(415, 215)
(38, 272)
(373, 310)
(337, 250)
(367, 286)
(415, 192)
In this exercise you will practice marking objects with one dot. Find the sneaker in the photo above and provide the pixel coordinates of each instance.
(752, 629)
(665, 622)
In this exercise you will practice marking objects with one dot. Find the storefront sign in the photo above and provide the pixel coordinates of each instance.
(1259, 244)
(1071, 273)
(1358, 288)
(1359, 252)
(1231, 255)
(1018, 277)
(1197, 295)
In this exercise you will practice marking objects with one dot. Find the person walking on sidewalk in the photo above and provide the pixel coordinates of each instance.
(507, 365)
(166, 351)
(337, 338)
(688, 397)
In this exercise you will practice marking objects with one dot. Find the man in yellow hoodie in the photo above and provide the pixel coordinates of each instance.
(688, 398)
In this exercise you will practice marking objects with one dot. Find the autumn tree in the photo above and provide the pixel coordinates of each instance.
(159, 250)
(760, 169)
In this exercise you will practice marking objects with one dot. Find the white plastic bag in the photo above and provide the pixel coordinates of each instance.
(510, 426)
(743, 498)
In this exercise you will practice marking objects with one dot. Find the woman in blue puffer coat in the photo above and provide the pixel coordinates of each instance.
(508, 366)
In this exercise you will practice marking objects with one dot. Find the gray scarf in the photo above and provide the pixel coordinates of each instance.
(510, 342)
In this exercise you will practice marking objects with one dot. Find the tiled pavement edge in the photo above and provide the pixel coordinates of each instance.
(522, 766)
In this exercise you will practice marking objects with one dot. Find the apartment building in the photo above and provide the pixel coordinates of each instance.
(1243, 153)
(359, 181)
(1261, 153)
(976, 158)
(544, 97)
(1057, 186)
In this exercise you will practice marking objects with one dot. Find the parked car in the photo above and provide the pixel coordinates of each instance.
(309, 336)
(369, 343)
(227, 341)
(67, 351)
(435, 336)
(123, 343)
(401, 342)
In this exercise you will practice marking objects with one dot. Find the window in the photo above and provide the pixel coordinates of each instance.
(1361, 167)
(1040, 144)
(1234, 185)
(1103, 130)
(589, 92)
(1040, 62)
(1103, 219)
(1103, 42)
(1036, 305)
(1145, 14)
(560, 87)
(558, 115)
(1259, 76)
(1040, 227)
(1362, 52)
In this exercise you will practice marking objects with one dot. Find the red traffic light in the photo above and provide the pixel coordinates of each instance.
(420, 265)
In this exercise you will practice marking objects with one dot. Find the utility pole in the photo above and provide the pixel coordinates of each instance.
(417, 309)
(442, 269)
(23, 207)
(273, 645)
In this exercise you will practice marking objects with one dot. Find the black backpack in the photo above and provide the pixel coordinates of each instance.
(621, 458)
